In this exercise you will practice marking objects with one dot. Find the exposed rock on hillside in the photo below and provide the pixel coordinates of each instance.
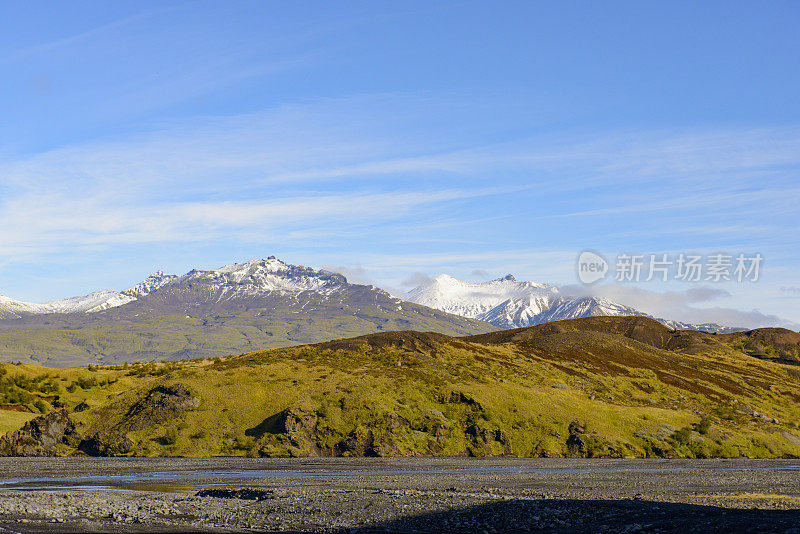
(577, 446)
(161, 404)
(41, 436)
(300, 432)
(108, 443)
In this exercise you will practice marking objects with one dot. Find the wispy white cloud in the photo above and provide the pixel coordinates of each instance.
(186, 180)
(690, 305)
(338, 171)
(55, 221)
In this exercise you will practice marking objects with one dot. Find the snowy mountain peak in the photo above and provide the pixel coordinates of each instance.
(507, 303)
(250, 278)
(148, 285)
(270, 274)
(477, 299)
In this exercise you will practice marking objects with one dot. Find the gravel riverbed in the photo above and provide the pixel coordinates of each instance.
(398, 495)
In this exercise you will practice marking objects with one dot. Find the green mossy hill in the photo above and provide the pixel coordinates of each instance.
(610, 387)
(778, 344)
(641, 329)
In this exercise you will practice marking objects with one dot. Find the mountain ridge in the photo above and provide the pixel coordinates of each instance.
(503, 302)
(508, 303)
(269, 274)
(240, 307)
(267, 303)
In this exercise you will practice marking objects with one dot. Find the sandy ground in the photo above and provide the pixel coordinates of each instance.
(398, 495)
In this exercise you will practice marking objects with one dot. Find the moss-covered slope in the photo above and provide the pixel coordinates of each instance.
(588, 387)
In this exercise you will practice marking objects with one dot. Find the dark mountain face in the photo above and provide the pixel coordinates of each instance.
(239, 308)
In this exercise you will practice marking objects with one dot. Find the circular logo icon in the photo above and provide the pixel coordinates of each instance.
(591, 267)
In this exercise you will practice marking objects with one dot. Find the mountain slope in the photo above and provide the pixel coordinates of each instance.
(778, 344)
(600, 386)
(524, 299)
(90, 303)
(237, 308)
(148, 285)
(507, 303)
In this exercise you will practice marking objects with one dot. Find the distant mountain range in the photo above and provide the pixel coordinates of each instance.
(93, 302)
(268, 303)
(241, 307)
(507, 303)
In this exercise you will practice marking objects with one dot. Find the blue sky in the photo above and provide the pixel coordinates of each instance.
(396, 141)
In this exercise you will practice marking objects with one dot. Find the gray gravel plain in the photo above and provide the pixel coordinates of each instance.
(398, 495)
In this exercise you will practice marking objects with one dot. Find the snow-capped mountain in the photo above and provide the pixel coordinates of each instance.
(521, 300)
(150, 284)
(93, 302)
(507, 303)
(242, 279)
(10, 308)
(260, 276)
(714, 328)
(503, 302)
(237, 308)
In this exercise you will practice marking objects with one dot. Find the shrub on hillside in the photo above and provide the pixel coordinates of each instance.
(703, 426)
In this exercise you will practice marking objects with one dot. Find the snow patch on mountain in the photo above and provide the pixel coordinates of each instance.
(263, 276)
(151, 283)
(475, 300)
(507, 303)
(239, 279)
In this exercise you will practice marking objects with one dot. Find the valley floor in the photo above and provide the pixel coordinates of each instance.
(397, 495)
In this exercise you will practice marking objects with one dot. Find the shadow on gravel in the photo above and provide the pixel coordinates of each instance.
(596, 516)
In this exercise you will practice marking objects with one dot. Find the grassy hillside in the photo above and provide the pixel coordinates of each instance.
(587, 387)
(777, 344)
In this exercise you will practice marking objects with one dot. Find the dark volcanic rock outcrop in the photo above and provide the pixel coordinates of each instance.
(294, 428)
(161, 404)
(41, 436)
(108, 443)
(577, 445)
